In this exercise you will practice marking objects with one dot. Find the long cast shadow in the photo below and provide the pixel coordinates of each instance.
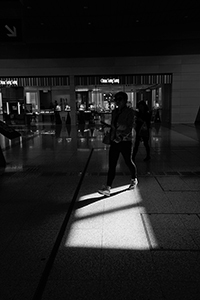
(89, 201)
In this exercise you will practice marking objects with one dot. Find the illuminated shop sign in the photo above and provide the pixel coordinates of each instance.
(109, 80)
(8, 82)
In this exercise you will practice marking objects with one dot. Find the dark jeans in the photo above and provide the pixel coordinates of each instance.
(137, 143)
(125, 148)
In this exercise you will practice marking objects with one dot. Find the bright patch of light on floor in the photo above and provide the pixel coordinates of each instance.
(117, 222)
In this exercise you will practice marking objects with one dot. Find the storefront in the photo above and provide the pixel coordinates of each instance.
(95, 94)
(42, 99)
(24, 98)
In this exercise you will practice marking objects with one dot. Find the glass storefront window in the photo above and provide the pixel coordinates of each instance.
(32, 101)
(101, 98)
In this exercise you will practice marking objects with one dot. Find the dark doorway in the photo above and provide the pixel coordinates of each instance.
(45, 99)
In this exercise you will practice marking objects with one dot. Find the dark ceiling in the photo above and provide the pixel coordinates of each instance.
(64, 28)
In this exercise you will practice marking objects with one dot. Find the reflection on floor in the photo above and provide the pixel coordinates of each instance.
(60, 239)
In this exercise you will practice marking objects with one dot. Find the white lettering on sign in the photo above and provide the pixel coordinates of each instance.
(109, 80)
(8, 83)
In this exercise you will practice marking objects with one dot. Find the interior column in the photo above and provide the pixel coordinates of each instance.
(72, 101)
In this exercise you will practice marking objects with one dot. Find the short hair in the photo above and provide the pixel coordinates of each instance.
(122, 96)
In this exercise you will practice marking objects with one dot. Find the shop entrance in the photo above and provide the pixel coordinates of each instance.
(13, 105)
(93, 101)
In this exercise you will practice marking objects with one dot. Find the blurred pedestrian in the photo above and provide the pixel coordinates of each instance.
(143, 123)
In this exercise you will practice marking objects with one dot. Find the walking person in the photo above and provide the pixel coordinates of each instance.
(143, 123)
(122, 131)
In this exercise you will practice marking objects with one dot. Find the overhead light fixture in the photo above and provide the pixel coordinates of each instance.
(82, 90)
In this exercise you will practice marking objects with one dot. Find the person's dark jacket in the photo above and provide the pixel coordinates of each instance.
(141, 118)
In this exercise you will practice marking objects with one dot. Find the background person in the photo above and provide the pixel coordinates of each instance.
(143, 124)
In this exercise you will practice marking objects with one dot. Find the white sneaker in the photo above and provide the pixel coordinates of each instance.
(105, 190)
(133, 184)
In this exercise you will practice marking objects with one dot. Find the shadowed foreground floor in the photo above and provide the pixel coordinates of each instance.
(60, 239)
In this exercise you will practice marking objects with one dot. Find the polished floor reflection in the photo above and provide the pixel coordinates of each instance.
(60, 239)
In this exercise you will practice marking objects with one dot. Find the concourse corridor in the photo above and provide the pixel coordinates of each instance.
(60, 239)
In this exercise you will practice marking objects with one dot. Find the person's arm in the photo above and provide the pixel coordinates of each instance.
(106, 124)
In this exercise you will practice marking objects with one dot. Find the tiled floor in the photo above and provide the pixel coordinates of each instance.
(61, 240)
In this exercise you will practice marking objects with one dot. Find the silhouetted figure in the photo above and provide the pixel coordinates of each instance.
(58, 120)
(52, 114)
(143, 123)
(68, 120)
(58, 129)
(122, 124)
(157, 116)
(68, 126)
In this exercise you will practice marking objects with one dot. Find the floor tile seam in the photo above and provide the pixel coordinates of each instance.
(175, 214)
(184, 227)
(102, 231)
(193, 239)
(190, 233)
(104, 228)
(186, 135)
(181, 190)
(181, 250)
(123, 174)
(41, 172)
(182, 222)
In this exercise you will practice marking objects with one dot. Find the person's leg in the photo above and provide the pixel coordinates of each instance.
(136, 146)
(113, 158)
(126, 151)
(147, 147)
